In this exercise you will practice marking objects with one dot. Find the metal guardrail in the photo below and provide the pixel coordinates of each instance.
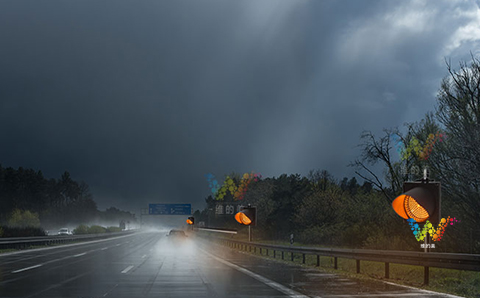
(425, 259)
(26, 242)
(217, 230)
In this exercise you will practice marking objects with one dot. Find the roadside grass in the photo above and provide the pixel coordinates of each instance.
(7, 250)
(456, 282)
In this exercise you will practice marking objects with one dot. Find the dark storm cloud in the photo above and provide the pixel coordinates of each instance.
(141, 99)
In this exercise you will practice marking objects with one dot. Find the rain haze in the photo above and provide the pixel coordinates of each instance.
(141, 99)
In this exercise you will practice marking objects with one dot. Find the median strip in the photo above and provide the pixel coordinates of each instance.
(86, 242)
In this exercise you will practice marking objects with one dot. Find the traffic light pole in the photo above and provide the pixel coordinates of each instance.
(425, 249)
(249, 233)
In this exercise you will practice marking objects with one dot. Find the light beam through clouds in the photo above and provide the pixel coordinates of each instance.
(141, 99)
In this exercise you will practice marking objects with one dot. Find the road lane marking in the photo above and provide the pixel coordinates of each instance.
(408, 294)
(268, 282)
(422, 290)
(144, 256)
(60, 284)
(27, 268)
(105, 248)
(105, 295)
(56, 260)
(127, 269)
(380, 295)
(118, 244)
(79, 255)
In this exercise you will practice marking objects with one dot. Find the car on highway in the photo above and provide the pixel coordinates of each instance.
(177, 234)
(177, 237)
(64, 231)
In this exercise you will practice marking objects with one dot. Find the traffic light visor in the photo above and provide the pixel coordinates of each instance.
(242, 218)
(397, 205)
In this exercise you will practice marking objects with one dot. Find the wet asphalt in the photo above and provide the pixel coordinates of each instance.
(153, 265)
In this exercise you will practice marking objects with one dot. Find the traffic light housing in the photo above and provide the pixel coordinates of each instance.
(191, 220)
(420, 201)
(247, 216)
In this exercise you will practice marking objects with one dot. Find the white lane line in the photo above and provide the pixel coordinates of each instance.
(105, 295)
(105, 248)
(380, 295)
(268, 282)
(144, 256)
(118, 244)
(28, 268)
(79, 255)
(127, 269)
(422, 290)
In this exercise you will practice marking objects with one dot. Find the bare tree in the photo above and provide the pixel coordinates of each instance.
(378, 150)
(459, 111)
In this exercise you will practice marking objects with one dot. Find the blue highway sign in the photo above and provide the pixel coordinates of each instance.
(170, 209)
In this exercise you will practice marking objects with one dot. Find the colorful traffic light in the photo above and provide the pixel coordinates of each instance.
(191, 220)
(247, 216)
(420, 201)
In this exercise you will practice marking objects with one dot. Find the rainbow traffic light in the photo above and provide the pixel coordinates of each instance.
(247, 216)
(420, 201)
(191, 220)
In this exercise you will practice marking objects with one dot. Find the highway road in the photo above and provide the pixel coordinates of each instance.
(153, 265)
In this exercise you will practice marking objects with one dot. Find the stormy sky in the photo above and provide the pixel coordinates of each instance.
(141, 99)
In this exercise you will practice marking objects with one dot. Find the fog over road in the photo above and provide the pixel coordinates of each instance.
(152, 265)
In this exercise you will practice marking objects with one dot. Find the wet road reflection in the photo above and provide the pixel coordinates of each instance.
(153, 265)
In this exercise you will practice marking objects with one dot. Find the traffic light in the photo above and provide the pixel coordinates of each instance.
(247, 216)
(420, 201)
(191, 220)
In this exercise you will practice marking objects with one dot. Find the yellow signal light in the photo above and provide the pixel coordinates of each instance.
(242, 218)
(247, 216)
(420, 201)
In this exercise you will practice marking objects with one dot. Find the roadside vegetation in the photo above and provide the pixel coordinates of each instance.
(457, 282)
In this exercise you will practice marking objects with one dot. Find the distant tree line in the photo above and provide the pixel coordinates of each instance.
(318, 209)
(28, 199)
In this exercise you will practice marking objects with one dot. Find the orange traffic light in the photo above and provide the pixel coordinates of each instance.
(247, 216)
(420, 201)
(191, 220)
